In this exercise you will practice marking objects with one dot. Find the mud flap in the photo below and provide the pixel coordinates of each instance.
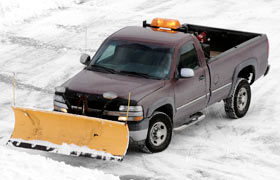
(69, 134)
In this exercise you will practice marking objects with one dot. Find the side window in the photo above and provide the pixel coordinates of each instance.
(188, 57)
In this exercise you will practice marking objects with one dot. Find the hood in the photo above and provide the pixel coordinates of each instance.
(93, 82)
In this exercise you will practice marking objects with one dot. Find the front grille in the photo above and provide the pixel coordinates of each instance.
(95, 102)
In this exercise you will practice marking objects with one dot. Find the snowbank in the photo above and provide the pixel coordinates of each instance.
(15, 164)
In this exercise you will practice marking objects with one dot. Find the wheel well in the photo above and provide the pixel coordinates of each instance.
(167, 109)
(248, 73)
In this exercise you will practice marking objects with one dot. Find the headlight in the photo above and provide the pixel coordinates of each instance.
(135, 113)
(59, 104)
(59, 98)
(131, 108)
(60, 89)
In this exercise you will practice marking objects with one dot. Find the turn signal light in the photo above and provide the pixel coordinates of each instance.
(166, 23)
(130, 118)
(63, 110)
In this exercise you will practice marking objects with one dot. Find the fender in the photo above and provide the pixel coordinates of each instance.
(160, 103)
(239, 67)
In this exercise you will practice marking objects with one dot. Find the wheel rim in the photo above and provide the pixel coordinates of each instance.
(242, 99)
(158, 133)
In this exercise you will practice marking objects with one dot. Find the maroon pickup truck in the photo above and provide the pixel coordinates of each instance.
(160, 77)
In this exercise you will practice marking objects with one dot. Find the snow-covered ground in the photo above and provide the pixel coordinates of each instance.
(15, 165)
(42, 43)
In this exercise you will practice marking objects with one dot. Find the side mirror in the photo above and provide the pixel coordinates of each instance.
(186, 73)
(85, 59)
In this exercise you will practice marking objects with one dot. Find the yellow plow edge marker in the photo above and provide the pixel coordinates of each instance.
(58, 128)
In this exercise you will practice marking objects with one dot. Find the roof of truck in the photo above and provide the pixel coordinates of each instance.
(137, 33)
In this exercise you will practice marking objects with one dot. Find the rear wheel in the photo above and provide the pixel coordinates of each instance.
(159, 133)
(237, 105)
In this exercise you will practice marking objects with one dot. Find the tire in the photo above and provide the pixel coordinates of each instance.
(159, 133)
(237, 105)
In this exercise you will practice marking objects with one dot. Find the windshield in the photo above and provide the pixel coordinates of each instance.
(146, 60)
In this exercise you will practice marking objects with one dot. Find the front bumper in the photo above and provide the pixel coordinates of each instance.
(138, 131)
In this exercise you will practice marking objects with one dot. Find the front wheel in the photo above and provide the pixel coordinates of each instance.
(237, 105)
(159, 133)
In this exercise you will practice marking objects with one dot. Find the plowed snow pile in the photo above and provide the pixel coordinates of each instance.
(42, 41)
(20, 165)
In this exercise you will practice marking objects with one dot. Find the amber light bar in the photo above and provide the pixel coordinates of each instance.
(166, 23)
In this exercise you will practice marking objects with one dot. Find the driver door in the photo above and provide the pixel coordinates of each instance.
(190, 93)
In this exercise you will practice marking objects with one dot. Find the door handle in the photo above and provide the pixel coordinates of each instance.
(201, 77)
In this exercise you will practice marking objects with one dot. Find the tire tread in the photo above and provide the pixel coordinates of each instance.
(229, 105)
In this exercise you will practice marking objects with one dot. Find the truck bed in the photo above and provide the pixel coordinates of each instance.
(221, 40)
(228, 52)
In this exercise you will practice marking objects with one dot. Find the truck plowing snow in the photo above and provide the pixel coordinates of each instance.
(150, 80)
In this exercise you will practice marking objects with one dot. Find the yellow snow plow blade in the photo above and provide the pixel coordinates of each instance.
(69, 134)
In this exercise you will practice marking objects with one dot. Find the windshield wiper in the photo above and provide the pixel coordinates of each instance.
(103, 69)
(139, 74)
